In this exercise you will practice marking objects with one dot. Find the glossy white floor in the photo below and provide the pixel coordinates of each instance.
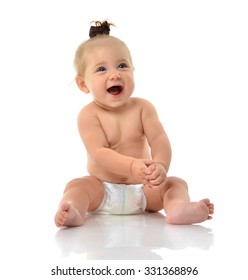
(138, 237)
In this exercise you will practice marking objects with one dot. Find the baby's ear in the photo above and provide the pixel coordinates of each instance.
(81, 84)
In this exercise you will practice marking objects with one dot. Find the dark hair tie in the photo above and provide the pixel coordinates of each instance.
(99, 29)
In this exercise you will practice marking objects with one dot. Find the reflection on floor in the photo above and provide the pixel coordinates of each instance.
(135, 237)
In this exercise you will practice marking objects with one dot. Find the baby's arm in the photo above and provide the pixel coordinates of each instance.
(113, 162)
(98, 149)
(159, 143)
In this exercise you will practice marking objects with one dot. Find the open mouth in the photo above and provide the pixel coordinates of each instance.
(115, 90)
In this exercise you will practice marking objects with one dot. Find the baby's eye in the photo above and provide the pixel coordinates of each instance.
(122, 65)
(101, 69)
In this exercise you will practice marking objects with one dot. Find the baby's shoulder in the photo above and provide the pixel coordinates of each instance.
(87, 111)
(141, 102)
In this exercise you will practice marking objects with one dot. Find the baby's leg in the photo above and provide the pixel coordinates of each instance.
(174, 199)
(80, 195)
(179, 209)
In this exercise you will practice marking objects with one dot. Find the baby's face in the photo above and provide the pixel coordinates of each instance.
(109, 74)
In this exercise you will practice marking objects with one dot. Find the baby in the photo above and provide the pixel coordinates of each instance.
(128, 151)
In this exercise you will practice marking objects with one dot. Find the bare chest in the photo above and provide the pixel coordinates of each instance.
(123, 129)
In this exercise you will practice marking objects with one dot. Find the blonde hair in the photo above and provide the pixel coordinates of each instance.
(86, 46)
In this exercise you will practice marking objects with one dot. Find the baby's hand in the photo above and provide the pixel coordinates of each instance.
(140, 169)
(156, 175)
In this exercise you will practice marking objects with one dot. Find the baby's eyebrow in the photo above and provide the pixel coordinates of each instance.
(123, 60)
(99, 64)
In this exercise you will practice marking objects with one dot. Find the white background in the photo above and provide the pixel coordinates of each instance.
(190, 60)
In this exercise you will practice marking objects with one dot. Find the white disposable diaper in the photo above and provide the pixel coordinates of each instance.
(122, 199)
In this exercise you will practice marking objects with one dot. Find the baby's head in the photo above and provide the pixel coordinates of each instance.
(99, 36)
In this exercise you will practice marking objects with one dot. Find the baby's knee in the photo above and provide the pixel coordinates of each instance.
(176, 181)
(75, 183)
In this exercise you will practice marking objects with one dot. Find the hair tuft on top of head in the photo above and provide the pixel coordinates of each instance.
(100, 28)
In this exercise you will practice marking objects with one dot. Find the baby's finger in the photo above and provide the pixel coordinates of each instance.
(154, 175)
(156, 181)
(148, 162)
(150, 169)
(157, 186)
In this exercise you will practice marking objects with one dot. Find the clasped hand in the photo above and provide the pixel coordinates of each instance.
(150, 173)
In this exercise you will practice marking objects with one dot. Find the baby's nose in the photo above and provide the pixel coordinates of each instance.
(114, 76)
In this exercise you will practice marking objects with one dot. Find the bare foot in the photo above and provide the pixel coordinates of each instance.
(191, 212)
(68, 215)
